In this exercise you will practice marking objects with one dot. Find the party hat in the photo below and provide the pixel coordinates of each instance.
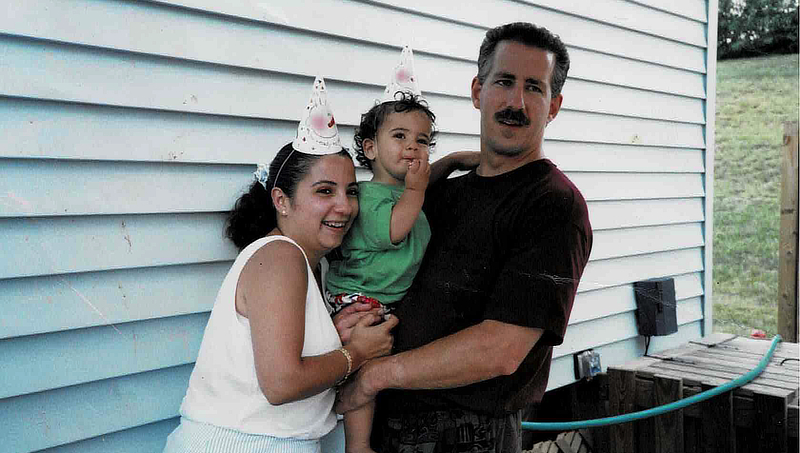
(317, 132)
(403, 78)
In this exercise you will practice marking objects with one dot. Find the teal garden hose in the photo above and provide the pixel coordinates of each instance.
(652, 412)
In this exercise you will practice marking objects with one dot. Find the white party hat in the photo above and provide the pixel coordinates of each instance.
(403, 78)
(317, 132)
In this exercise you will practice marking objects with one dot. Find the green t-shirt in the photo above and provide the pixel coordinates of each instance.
(372, 265)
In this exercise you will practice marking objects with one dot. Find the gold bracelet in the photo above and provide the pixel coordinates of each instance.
(349, 364)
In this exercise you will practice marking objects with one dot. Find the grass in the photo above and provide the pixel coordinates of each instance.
(755, 96)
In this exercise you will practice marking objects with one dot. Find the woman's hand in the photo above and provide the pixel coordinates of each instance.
(350, 315)
(369, 340)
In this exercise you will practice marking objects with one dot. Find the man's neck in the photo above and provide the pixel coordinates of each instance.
(493, 164)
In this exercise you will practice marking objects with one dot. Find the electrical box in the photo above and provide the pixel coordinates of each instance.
(655, 302)
(587, 364)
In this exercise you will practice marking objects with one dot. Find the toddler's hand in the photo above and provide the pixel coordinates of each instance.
(419, 171)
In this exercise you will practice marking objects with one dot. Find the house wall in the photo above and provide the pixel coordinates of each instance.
(129, 128)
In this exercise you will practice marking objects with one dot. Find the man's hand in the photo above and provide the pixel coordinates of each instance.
(357, 392)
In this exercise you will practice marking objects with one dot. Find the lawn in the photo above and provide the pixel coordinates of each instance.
(755, 96)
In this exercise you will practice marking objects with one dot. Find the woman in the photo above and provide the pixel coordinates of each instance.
(271, 355)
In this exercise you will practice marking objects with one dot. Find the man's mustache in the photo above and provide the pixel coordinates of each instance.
(514, 116)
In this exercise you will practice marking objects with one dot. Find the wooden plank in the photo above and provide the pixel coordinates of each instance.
(635, 74)
(598, 97)
(669, 431)
(622, 394)
(612, 129)
(47, 187)
(631, 16)
(646, 185)
(716, 362)
(91, 75)
(716, 375)
(693, 435)
(693, 9)
(562, 368)
(375, 24)
(718, 429)
(149, 438)
(619, 271)
(788, 320)
(595, 304)
(60, 359)
(47, 419)
(631, 213)
(45, 129)
(770, 422)
(71, 301)
(582, 156)
(714, 338)
(57, 245)
(639, 240)
(587, 404)
(622, 14)
(612, 328)
(186, 34)
(757, 352)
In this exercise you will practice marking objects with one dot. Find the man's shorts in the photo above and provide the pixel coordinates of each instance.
(446, 431)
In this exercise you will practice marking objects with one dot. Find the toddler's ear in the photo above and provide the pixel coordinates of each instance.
(369, 148)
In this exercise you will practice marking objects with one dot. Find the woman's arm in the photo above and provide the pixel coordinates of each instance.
(271, 293)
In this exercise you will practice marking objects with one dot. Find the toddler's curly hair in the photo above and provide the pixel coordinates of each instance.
(374, 118)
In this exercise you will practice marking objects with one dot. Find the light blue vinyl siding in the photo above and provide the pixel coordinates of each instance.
(130, 127)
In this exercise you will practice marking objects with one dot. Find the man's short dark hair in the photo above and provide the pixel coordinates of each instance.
(530, 35)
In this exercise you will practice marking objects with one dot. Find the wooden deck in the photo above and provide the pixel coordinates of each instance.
(762, 414)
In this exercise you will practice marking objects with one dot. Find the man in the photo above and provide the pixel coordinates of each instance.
(495, 290)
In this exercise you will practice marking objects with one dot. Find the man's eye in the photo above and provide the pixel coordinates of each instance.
(504, 82)
(535, 88)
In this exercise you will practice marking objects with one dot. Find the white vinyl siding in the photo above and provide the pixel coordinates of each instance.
(130, 127)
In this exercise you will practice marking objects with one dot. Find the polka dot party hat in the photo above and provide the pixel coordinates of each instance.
(317, 132)
(403, 78)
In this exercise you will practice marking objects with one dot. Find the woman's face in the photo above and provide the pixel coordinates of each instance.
(324, 205)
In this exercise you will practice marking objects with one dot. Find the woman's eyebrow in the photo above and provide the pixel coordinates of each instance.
(324, 181)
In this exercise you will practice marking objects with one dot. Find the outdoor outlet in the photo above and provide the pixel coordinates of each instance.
(587, 364)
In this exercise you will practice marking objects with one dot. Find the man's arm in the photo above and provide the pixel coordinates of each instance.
(484, 351)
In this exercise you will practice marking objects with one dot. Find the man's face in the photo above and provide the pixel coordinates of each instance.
(515, 100)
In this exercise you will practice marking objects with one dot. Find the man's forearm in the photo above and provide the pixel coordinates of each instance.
(475, 354)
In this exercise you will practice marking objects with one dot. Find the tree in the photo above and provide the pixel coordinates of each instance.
(757, 27)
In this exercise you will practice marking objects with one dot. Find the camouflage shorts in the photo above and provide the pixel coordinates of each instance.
(450, 431)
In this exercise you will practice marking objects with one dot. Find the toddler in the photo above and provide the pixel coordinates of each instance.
(384, 248)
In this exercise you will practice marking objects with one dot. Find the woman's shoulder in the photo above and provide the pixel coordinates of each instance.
(275, 249)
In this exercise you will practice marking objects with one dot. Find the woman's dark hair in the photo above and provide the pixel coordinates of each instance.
(253, 215)
(372, 120)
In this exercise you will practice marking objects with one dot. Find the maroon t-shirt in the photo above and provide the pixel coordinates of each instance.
(510, 248)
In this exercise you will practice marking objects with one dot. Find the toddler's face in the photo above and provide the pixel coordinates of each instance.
(402, 138)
